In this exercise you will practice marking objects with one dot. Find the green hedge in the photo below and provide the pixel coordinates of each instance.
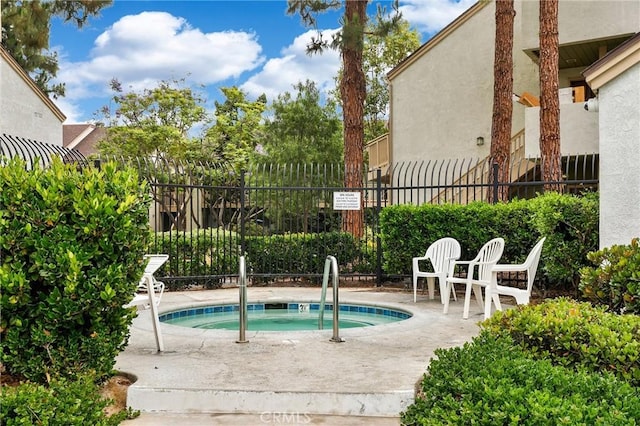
(615, 280)
(72, 245)
(492, 382)
(570, 224)
(574, 334)
(299, 253)
(62, 402)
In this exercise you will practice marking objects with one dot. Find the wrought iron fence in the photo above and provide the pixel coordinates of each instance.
(283, 216)
(284, 219)
(35, 152)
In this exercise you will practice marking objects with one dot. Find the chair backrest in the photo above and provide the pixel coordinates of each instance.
(531, 264)
(489, 255)
(155, 262)
(442, 253)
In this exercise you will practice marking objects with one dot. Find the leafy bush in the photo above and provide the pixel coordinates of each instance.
(72, 245)
(490, 381)
(570, 224)
(615, 280)
(575, 335)
(407, 231)
(62, 402)
(299, 253)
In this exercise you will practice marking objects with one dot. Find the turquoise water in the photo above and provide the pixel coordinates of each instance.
(282, 317)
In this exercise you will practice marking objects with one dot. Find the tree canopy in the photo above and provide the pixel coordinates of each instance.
(25, 34)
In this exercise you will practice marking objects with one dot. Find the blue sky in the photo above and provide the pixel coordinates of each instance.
(212, 43)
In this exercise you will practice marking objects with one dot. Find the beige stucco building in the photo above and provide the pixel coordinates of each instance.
(441, 96)
(25, 110)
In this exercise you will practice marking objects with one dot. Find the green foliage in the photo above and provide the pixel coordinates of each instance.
(574, 335)
(61, 402)
(211, 251)
(570, 224)
(490, 381)
(304, 253)
(407, 231)
(156, 121)
(72, 245)
(615, 280)
(301, 130)
(238, 128)
(25, 34)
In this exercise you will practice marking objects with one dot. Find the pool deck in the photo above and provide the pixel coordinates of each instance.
(292, 377)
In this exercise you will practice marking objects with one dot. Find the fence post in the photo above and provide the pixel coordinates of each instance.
(242, 212)
(496, 184)
(377, 227)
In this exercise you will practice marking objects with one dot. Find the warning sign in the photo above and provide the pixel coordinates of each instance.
(346, 201)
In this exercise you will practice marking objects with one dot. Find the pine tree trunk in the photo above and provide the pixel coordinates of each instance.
(502, 93)
(549, 101)
(353, 92)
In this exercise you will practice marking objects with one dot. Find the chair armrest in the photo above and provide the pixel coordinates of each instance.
(509, 268)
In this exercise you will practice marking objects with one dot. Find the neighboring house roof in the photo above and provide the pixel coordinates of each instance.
(4, 54)
(613, 63)
(437, 38)
(83, 137)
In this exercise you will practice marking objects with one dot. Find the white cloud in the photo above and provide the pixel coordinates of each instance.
(430, 16)
(140, 50)
(294, 65)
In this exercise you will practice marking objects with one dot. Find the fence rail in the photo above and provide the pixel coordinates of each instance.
(283, 218)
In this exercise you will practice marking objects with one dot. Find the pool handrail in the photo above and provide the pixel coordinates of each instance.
(330, 264)
(242, 278)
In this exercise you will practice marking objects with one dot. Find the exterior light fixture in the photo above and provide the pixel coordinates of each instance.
(479, 141)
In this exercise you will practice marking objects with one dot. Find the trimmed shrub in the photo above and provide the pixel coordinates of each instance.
(62, 402)
(72, 245)
(575, 335)
(570, 224)
(490, 381)
(615, 280)
(299, 253)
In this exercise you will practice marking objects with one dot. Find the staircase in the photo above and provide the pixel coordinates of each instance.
(472, 186)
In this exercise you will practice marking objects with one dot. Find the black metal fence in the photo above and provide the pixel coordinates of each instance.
(285, 220)
(35, 152)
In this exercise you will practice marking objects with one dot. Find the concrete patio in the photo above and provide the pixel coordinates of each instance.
(299, 377)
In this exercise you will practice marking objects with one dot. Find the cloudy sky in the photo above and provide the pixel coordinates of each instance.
(212, 43)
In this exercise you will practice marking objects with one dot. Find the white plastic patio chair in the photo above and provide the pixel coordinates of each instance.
(522, 296)
(479, 274)
(441, 254)
(154, 290)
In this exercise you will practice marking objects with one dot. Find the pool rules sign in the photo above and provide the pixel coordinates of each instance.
(346, 201)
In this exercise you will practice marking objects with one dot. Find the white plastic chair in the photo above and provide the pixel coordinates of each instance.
(154, 290)
(479, 274)
(522, 296)
(441, 254)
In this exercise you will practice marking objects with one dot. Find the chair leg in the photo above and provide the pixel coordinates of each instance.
(415, 286)
(431, 283)
(477, 291)
(467, 301)
(448, 286)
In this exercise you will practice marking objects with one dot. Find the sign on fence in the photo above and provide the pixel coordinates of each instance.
(346, 201)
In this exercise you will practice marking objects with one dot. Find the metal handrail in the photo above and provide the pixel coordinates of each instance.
(242, 278)
(330, 264)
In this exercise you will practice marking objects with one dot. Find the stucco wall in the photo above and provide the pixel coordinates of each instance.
(619, 104)
(23, 112)
(578, 130)
(444, 101)
(584, 20)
